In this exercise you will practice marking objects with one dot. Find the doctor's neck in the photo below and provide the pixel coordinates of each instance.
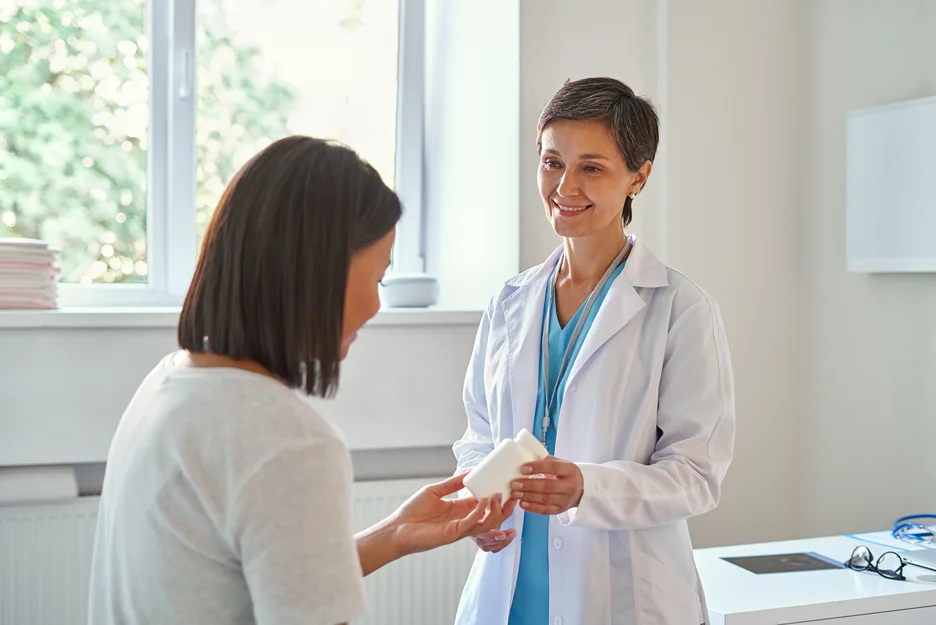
(588, 257)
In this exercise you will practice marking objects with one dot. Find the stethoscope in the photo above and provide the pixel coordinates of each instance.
(910, 530)
(544, 345)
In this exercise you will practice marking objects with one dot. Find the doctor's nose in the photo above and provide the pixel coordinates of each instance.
(569, 185)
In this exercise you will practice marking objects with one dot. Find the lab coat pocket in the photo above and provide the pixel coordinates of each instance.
(663, 597)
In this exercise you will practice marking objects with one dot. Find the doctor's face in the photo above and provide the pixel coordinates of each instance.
(583, 179)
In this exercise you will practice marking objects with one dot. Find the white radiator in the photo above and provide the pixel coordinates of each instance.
(45, 560)
(419, 590)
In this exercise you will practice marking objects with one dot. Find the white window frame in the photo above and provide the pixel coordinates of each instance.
(409, 252)
(171, 184)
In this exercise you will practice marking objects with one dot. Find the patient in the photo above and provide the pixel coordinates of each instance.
(227, 498)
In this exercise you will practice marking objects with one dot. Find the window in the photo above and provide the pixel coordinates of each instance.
(74, 107)
(122, 121)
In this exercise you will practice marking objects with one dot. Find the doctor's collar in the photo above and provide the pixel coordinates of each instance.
(643, 269)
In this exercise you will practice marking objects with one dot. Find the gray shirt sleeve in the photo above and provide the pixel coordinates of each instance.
(291, 528)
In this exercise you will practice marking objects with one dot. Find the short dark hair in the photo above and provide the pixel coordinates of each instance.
(272, 274)
(631, 119)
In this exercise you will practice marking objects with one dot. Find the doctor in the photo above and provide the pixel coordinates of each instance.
(621, 364)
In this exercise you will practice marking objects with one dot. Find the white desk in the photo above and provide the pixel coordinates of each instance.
(835, 597)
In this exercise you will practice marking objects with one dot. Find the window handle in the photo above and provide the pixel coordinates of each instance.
(185, 74)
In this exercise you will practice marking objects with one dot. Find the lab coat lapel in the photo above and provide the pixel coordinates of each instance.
(523, 319)
(643, 270)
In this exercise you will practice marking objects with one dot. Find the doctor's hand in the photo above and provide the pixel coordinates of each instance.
(559, 490)
(495, 541)
(427, 520)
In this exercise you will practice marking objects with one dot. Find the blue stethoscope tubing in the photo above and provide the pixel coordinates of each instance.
(909, 528)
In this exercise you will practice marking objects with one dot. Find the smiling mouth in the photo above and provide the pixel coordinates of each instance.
(570, 211)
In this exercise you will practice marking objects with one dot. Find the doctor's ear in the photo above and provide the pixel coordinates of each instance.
(640, 179)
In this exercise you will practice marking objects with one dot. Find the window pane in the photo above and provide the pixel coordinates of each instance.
(270, 68)
(73, 124)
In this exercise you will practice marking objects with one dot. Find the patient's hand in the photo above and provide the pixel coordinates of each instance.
(429, 519)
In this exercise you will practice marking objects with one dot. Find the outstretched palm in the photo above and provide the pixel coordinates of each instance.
(427, 520)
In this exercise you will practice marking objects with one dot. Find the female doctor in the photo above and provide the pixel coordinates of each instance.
(620, 364)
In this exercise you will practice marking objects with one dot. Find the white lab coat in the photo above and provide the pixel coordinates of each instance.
(648, 416)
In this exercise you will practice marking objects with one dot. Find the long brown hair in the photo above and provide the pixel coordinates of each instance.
(271, 277)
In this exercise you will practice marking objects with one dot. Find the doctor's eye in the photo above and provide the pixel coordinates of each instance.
(551, 164)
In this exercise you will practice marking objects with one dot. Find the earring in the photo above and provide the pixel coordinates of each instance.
(632, 196)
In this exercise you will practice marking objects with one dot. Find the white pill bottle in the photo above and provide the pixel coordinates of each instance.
(502, 466)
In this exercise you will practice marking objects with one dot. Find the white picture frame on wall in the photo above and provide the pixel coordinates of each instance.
(891, 188)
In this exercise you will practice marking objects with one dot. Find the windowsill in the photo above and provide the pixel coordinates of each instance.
(168, 317)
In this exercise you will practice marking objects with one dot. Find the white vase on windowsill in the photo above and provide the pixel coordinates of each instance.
(409, 290)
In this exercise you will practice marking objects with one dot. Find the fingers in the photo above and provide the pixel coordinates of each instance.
(544, 509)
(491, 536)
(520, 487)
(550, 466)
(494, 543)
(469, 522)
(484, 520)
(501, 545)
(503, 512)
(496, 508)
(481, 519)
(495, 540)
(509, 508)
(494, 516)
(543, 498)
(449, 486)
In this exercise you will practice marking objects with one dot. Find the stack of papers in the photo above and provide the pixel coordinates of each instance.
(886, 539)
(28, 275)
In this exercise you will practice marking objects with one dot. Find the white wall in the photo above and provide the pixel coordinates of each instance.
(61, 388)
(869, 367)
(562, 40)
(62, 391)
(733, 78)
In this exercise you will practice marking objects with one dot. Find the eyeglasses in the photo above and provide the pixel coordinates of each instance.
(890, 565)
